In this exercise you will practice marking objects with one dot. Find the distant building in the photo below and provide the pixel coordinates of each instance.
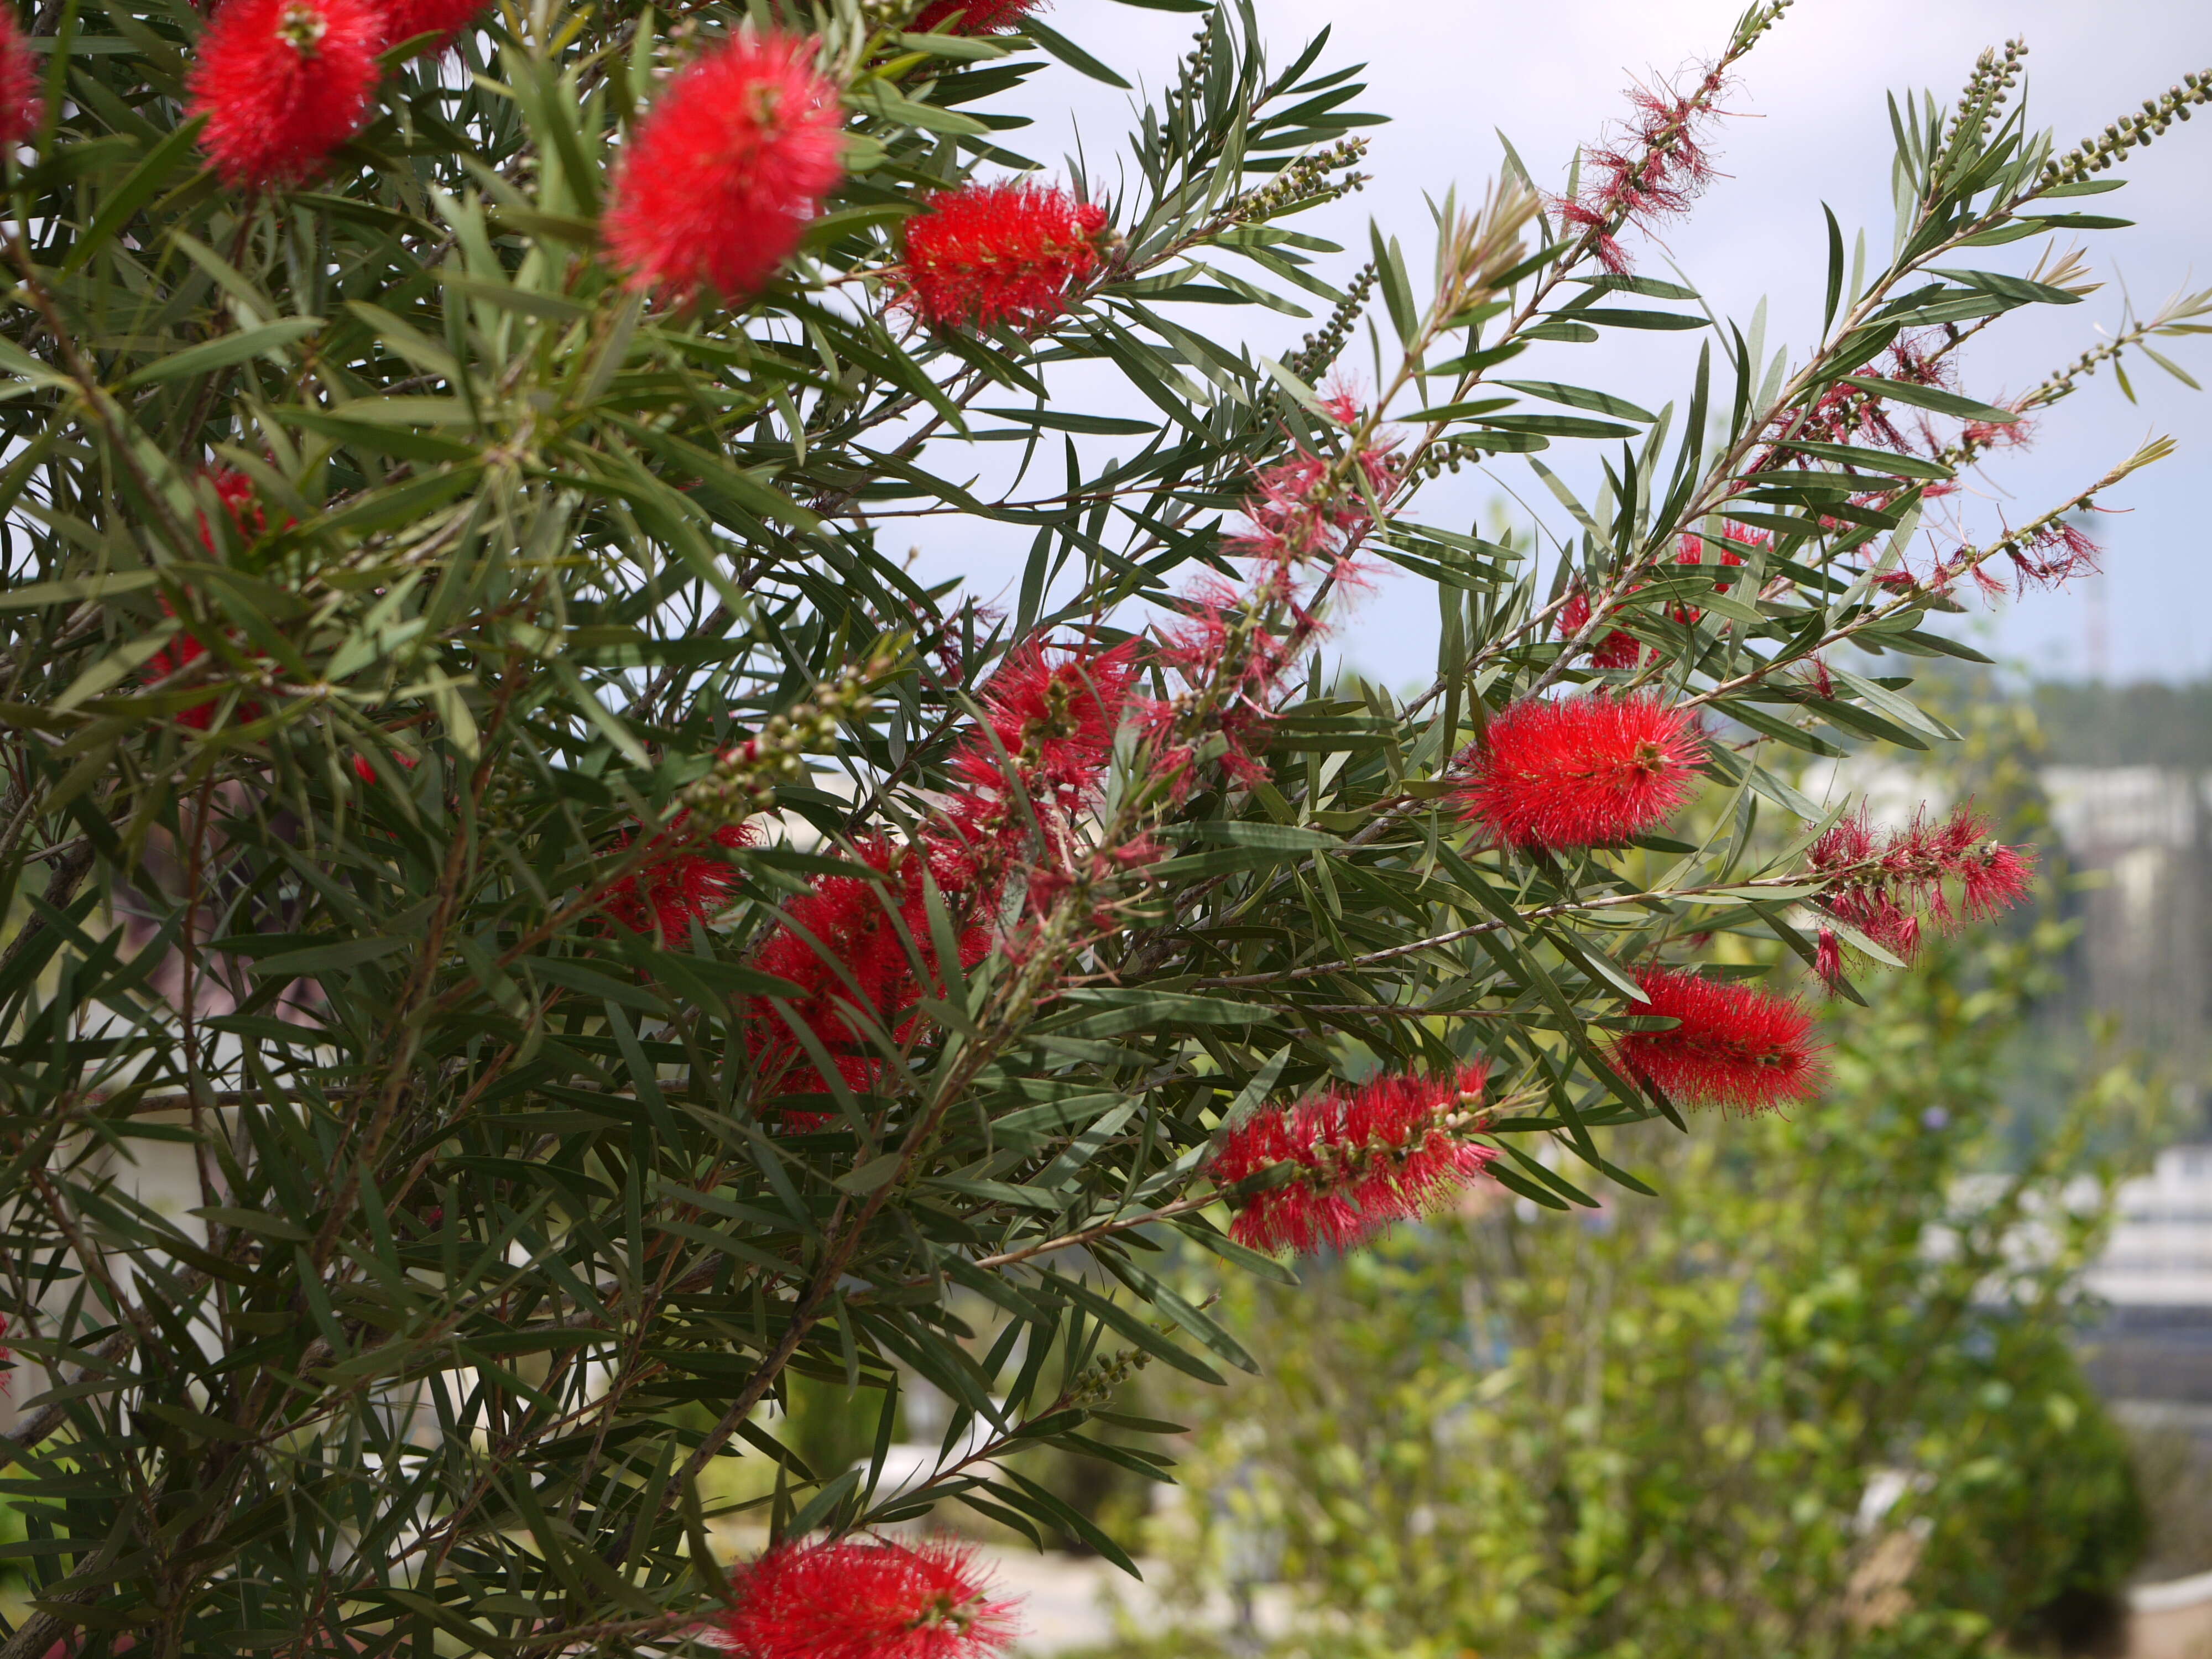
(2146, 947)
(2156, 1276)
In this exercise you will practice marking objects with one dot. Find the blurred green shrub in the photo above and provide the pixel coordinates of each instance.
(1815, 1398)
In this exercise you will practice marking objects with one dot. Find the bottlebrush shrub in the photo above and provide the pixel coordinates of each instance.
(538, 927)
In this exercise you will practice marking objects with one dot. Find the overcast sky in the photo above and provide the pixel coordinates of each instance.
(1809, 125)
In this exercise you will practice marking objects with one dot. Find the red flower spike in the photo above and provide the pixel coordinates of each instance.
(22, 105)
(186, 649)
(1581, 772)
(365, 770)
(405, 18)
(1055, 722)
(1000, 254)
(1735, 1046)
(668, 895)
(282, 83)
(848, 1599)
(971, 17)
(1363, 1160)
(721, 177)
(235, 491)
(1616, 648)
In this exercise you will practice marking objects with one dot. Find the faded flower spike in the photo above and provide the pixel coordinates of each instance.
(723, 175)
(1361, 1159)
(1881, 884)
(283, 83)
(850, 1600)
(1735, 1046)
(1581, 772)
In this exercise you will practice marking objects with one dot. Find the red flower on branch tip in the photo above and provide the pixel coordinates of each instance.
(987, 254)
(1361, 1159)
(1580, 771)
(722, 175)
(670, 893)
(851, 1600)
(443, 18)
(22, 104)
(971, 17)
(282, 83)
(1735, 1046)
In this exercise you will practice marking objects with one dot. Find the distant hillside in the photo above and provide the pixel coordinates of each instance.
(2126, 724)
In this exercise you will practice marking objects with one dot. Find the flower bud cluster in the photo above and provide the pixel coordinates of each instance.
(1305, 182)
(1321, 349)
(744, 777)
(2129, 131)
(1994, 77)
(1098, 1384)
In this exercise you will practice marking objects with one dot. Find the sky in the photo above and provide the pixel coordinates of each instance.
(1808, 125)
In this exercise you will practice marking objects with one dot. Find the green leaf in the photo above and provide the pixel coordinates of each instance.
(1576, 396)
(1933, 398)
(226, 349)
(1607, 317)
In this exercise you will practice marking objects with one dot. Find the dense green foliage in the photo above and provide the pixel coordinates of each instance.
(500, 1247)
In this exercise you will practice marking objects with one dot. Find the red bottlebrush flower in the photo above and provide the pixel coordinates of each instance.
(365, 770)
(405, 18)
(971, 17)
(722, 176)
(861, 950)
(1616, 648)
(1363, 1160)
(187, 648)
(1735, 1047)
(1581, 772)
(235, 491)
(668, 895)
(1055, 722)
(848, 1599)
(22, 105)
(1000, 254)
(282, 83)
